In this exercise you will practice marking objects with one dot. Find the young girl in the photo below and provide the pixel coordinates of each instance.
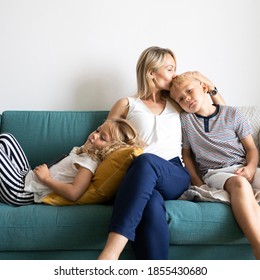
(70, 177)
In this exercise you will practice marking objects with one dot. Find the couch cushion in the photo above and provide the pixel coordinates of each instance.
(45, 227)
(202, 223)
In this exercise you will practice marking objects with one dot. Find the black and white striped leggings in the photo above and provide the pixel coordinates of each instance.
(13, 168)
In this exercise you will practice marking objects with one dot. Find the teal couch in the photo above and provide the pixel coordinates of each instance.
(199, 230)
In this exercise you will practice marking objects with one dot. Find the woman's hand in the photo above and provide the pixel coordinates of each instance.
(42, 172)
(216, 99)
(202, 78)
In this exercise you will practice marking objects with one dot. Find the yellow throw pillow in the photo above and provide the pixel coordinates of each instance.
(105, 181)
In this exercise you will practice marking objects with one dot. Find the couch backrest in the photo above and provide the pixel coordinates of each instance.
(45, 135)
(252, 113)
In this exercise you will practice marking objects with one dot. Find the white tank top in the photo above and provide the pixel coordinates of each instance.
(162, 133)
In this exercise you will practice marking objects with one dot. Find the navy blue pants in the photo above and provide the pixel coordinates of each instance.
(139, 209)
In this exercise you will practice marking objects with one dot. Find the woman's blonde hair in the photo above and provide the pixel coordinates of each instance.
(151, 59)
(122, 134)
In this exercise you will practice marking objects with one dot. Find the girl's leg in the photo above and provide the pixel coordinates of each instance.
(152, 234)
(13, 168)
(14, 152)
(147, 172)
(245, 209)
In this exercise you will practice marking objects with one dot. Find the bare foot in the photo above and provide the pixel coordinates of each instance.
(114, 246)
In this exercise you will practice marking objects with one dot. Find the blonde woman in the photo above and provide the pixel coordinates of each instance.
(71, 176)
(158, 174)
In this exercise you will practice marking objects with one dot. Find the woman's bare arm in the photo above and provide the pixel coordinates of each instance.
(119, 109)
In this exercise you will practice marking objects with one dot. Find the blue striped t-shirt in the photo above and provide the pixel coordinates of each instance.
(215, 140)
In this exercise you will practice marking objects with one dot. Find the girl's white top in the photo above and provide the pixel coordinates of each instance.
(64, 171)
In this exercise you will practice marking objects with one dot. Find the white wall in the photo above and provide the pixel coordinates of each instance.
(81, 54)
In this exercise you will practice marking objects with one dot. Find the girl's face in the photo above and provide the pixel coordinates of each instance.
(162, 78)
(101, 137)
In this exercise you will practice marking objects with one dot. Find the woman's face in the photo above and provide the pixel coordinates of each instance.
(162, 78)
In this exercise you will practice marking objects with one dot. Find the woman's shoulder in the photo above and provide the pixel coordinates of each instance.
(122, 102)
(119, 109)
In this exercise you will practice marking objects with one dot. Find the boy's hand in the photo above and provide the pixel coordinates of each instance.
(246, 172)
(42, 172)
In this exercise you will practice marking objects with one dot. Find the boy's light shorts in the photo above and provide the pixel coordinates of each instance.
(216, 178)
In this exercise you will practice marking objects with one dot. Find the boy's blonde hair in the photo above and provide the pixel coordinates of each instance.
(122, 134)
(178, 80)
(151, 59)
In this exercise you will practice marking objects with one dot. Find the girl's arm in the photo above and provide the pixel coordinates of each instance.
(71, 191)
(248, 171)
(189, 164)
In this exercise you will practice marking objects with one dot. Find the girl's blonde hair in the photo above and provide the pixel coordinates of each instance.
(122, 134)
(151, 59)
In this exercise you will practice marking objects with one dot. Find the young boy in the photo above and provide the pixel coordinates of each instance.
(221, 140)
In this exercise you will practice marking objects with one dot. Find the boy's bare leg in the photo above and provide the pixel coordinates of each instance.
(114, 247)
(245, 209)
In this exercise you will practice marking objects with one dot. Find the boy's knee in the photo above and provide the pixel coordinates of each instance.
(237, 183)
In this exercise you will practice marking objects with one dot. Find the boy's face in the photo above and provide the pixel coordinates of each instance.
(189, 94)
